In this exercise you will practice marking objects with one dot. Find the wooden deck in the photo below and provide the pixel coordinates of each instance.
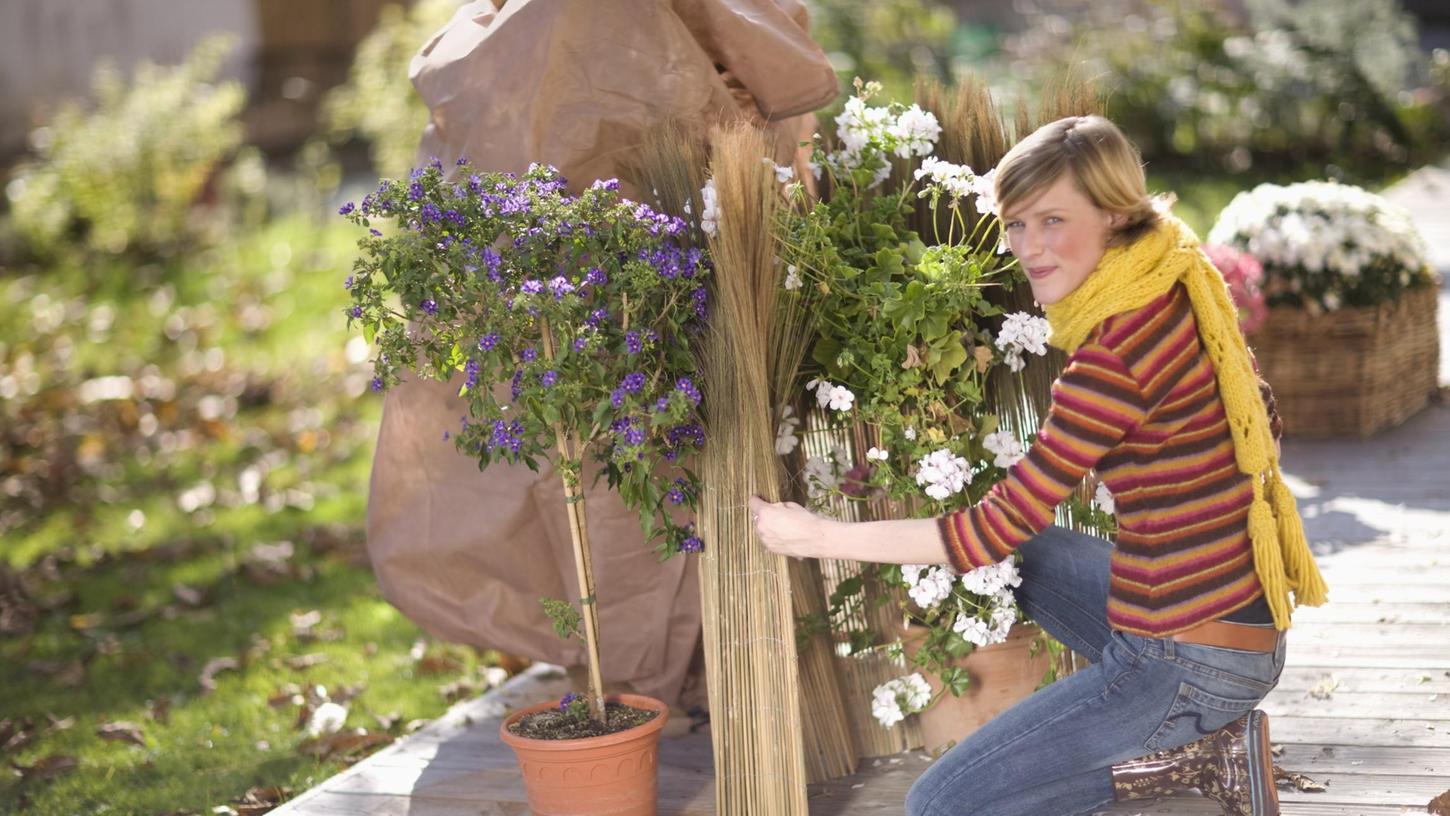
(1363, 707)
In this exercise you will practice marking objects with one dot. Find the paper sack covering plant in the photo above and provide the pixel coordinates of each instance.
(569, 319)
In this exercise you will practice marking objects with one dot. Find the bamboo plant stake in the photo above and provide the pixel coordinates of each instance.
(749, 628)
(571, 459)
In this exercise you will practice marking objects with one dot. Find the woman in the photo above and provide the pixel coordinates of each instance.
(1183, 616)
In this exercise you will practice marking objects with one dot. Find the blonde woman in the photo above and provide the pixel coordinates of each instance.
(1183, 615)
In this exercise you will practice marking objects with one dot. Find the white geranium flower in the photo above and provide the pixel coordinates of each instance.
(931, 587)
(893, 700)
(1022, 332)
(1006, 446)
(884, 706)
(915, 131)
(877, 455)
(820, 476)
(909, 433)
(710, 209)
(1104, 499)
(985, 188)
(840, 398)
(956, 179)
(785, 437)
(792, 278)
(992, 579)
(943, 474)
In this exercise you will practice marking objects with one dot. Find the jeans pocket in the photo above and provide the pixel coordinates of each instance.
(1255, 671)
(1196, 713)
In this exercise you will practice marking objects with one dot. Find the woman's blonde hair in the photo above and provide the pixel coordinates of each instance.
(1102, 162)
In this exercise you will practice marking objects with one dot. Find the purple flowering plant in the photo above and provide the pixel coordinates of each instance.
(568, 319)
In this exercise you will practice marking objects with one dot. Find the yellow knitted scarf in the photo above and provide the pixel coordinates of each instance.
(1132, 276)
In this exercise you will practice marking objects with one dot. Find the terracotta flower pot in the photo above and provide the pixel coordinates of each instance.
(613, 775)
(1003, 675)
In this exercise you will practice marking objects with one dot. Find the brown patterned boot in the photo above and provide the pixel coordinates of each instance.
(1231, 766)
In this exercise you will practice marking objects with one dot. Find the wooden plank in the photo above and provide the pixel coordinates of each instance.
(1360, 731)
(1383, 705)
(1317, 759)
(1346, 611)
(1299, 679)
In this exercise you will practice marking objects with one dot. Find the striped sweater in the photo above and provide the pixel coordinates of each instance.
(1138, 402)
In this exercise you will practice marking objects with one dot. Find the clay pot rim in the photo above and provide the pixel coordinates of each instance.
(627, 735)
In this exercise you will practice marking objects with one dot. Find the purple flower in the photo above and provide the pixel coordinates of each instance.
(699, 297)
(596, 277)
(531, 287)
(616, 397)
(434, 163)
(355, 311)
(597, 316)
(548, 378)
(375, 232)
(471, 369)
(430, 213)
(415, 191)
(675, 496)
(634, 436)
(580, 343)
(460, 162)
(346, 209)
(487, 342)
(492, 260)
(377, 383)
(691, 542)
(347, 284)
(662, 404)
(605, 184)
(633, 382)
(445, 436)
(568, 700)
(633, 343)
(430, 306)
(517, 383)
(561, 287)
(529, 354)
(686, 387)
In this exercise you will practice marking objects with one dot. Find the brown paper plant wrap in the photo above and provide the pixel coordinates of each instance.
(582, 304)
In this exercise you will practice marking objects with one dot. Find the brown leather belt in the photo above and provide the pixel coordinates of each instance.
(1231, 636)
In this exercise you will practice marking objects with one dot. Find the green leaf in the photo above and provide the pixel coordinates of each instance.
(956, 680)
(949, 360)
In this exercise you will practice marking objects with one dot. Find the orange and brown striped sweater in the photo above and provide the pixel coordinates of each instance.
(1139, 403)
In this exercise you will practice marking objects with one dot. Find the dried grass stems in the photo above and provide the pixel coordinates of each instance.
(746, 590)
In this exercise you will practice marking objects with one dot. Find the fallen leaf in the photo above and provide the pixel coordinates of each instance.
(439, 663)
(457, 690)
(1440, 805)
(983, 357)
(261, 800)
(303, 623)
(58, 724)
(22, 733)
(388, 721)
(284, 695)
(306, 661)
(53, 765)
(1297, 780)
(160, 710)
(122, 731)
(191, 596)
(212, 668)
(1324, 689)
(343, 744)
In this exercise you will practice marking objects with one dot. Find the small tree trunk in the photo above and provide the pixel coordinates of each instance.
(571, 466)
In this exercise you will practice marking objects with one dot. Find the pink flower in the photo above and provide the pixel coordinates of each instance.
(1244, 275)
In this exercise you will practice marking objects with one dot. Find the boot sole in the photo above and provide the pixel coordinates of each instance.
(1264, 796)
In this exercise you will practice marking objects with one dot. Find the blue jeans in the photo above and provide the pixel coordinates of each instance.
(1053, 752)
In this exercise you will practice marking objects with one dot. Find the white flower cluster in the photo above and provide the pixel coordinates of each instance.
(1006, 446)
(785, 438)
(993, 579)
(990, 627)
(1316, 239)
(927, 585)
(943, 474)
(959, 181)
(893, 700)
(823, 473)
(709, 209)
(1104, 499)
(869, 133)
(792, 278)
(829, 395)
(1022, 332)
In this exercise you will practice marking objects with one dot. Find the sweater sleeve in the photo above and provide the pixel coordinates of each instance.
(1095, 404)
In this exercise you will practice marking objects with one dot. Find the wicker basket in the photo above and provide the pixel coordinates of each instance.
(1353, 372)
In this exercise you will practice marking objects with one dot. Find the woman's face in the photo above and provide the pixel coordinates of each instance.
(1058, 237)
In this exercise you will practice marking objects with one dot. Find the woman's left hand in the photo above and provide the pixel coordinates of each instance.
(789, 529)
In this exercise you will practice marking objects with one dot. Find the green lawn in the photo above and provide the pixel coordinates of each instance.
(182, 576)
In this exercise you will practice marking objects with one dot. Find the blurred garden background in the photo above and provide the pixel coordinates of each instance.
(187, 612)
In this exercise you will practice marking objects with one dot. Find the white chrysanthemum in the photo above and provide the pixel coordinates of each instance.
(792, 278)
(943, 474)
(785, 437)
(1006, 446)
(709, 209)
(1104, 499)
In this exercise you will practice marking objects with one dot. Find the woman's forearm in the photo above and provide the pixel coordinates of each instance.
(900, 541)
